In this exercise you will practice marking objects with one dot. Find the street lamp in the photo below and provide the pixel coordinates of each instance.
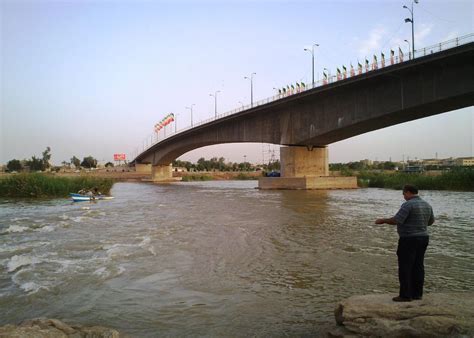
(191, 108)
(215, 102)
(176, 123)
(251, 87)
(312, 57)
(409, 52)
(412, 26)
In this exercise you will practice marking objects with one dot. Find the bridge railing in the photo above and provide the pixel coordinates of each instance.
(342, 75)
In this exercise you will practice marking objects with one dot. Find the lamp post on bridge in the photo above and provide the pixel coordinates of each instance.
(176, 123)
(312, 58)
(191, 108)
(409, 50)
(215, 102)
(412, 20)
(251, 87)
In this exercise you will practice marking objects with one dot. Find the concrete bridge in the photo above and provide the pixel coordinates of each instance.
(308, 121)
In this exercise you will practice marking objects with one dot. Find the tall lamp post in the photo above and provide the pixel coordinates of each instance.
(412, 26)
(409, 50)
(312, 57)
(251, 87)
(176, 123)
(215, 102)
(191, 108)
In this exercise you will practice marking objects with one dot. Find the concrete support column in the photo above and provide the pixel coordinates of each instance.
(143, 168)
(161, 173)
(301, 161)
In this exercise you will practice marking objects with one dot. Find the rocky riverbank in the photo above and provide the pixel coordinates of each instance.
(437, 315)
(54, 328)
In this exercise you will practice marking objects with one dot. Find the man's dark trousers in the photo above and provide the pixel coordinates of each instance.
(411, 271)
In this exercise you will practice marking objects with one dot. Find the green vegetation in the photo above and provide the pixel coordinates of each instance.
(244, 177)
(458, 180)
(196, 178)
(219, 164)
(43, 185)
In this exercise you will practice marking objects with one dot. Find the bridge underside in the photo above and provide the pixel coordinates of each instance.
(404, 92)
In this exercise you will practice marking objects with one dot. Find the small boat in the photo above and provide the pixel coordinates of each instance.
(82, 198)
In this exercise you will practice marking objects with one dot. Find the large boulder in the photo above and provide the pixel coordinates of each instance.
(437, 315)
(54, 328)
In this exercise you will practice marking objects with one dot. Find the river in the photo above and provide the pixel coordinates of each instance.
(217, 258)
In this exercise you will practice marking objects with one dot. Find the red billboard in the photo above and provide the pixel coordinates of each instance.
(119, 157)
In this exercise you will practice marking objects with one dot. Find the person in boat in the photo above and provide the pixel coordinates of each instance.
(411, 220)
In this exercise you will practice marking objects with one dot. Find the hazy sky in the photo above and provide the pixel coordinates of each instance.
(93, 77)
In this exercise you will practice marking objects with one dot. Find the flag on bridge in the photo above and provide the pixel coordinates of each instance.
(375, 64)
(400, 54)
(303, 85)
(325, 79)
(392, 57)
(344, 71)
(366, 65)
(359, 66)
(352, 70)
(338, 74)
(383, 59)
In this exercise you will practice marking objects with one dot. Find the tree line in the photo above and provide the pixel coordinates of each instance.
(219, 164)
(43, 163)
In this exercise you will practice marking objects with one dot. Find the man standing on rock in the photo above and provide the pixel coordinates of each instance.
(411, 220)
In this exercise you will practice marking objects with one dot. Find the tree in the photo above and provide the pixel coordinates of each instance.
(35, 164)
(89, 162)
(76, 162)
(46, 158)
(14, 165)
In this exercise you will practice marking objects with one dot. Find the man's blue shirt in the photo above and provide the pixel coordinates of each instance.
(413, 218)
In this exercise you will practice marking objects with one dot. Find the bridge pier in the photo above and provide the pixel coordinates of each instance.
(143, 168)
(161, 173)
(306, 168)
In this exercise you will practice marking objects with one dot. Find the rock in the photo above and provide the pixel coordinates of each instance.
(437, 315)
(54, 328)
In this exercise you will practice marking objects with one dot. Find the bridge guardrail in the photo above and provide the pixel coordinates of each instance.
(391, 60)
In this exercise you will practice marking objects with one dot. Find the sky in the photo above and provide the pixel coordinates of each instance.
(91, 78)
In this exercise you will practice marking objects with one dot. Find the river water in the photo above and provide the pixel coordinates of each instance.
(217, 258)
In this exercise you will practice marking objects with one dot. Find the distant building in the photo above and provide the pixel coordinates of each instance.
(448, 162)
(413, 169)
(366, 162)
(432, 161)
(465, 161)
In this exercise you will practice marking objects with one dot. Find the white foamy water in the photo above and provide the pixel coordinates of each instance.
(216, 258)
(15, 228)
(17, 262)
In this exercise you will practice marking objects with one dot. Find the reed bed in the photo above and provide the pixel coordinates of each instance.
(456, 180)
(44, 185)
(191, 178)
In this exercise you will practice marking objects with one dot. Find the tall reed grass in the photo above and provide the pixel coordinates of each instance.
(44, 185)
(190, 178)
(457, 180)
